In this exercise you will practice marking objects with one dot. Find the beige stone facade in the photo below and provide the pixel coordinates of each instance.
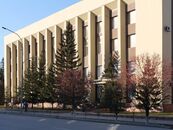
(101, 26)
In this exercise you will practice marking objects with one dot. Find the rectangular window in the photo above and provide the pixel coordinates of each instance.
(98, 48)
(53, 49)
(35, 52)
(131, 67)
(29, 55)
(132, 41)
(44, 48)
(85, 48)
(115, 45)
(114, 22)
(99, 37)
(85, 72)
(85, 40)
(99, 28)
(99, 71)
(132, 17)
(74, 34)
(85, 32)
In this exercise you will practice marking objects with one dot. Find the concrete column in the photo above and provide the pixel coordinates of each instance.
(58, 32)
(7, 71)
(79, 39)
(19, 64)
(65, 25)
(40, 39)
(92, 50)
(105, 37)
(48, 48)
(32, 48)
(13, 70)
(25, 55)
(122, 39)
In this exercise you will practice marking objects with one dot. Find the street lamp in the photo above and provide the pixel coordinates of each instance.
(12, 32)
(21, 49)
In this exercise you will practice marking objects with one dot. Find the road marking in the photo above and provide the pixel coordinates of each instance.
(71, 121)
(62, 129)
(113, 127)
(41, 120)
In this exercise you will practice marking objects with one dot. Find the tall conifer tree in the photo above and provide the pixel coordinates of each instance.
(67, 56)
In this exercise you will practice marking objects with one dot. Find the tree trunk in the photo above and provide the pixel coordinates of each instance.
(147, 115)
(64, 106)
(42, 105)
(32, 106)
(52, 105)
(116, 116)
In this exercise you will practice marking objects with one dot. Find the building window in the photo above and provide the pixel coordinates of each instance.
(131, 67)
(53, 49)
(85, 72)
(85, 48)
(85, 32)
(98, 48)
(132, 41)
(35, 52)
(99, 38)
(99, 28)
(114, 22)
(44, 48)
(99, 71)
(115, 45)
(132, 17)
(74, 34)
(29, 51)
(85, 40)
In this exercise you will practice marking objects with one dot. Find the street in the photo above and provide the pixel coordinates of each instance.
(13, 122)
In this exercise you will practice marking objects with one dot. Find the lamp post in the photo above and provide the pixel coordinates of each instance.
(21, 49)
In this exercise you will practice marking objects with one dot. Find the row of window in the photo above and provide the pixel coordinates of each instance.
(131, 19)
(131, 43)
(98, 71)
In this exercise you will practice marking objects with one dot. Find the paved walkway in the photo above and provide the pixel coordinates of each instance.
(93, 117)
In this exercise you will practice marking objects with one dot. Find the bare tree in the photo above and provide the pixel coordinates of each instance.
(148, 82)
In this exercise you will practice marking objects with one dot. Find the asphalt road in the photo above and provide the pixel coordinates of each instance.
(13, 122)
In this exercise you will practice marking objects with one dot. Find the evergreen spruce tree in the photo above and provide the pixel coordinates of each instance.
(31, 89)
(67, 58)
(113, 92)
(112, 71)
(41, 82)
(2, 82)
(51, 86)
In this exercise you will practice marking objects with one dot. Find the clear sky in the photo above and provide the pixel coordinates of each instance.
(16, 14)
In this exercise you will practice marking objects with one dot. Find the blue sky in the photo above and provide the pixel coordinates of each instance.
(16, 14)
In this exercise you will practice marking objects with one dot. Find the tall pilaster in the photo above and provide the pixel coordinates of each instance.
(19, 64)
(40, 39)
(122, 38)
(105, 37)
(13, 70)
(58, 32)
(92, 49)
(25, 56)
(79, 39)
(32, 47)
(7, 71)
(48, 48)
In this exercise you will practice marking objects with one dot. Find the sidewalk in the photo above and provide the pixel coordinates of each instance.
(95, 117)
